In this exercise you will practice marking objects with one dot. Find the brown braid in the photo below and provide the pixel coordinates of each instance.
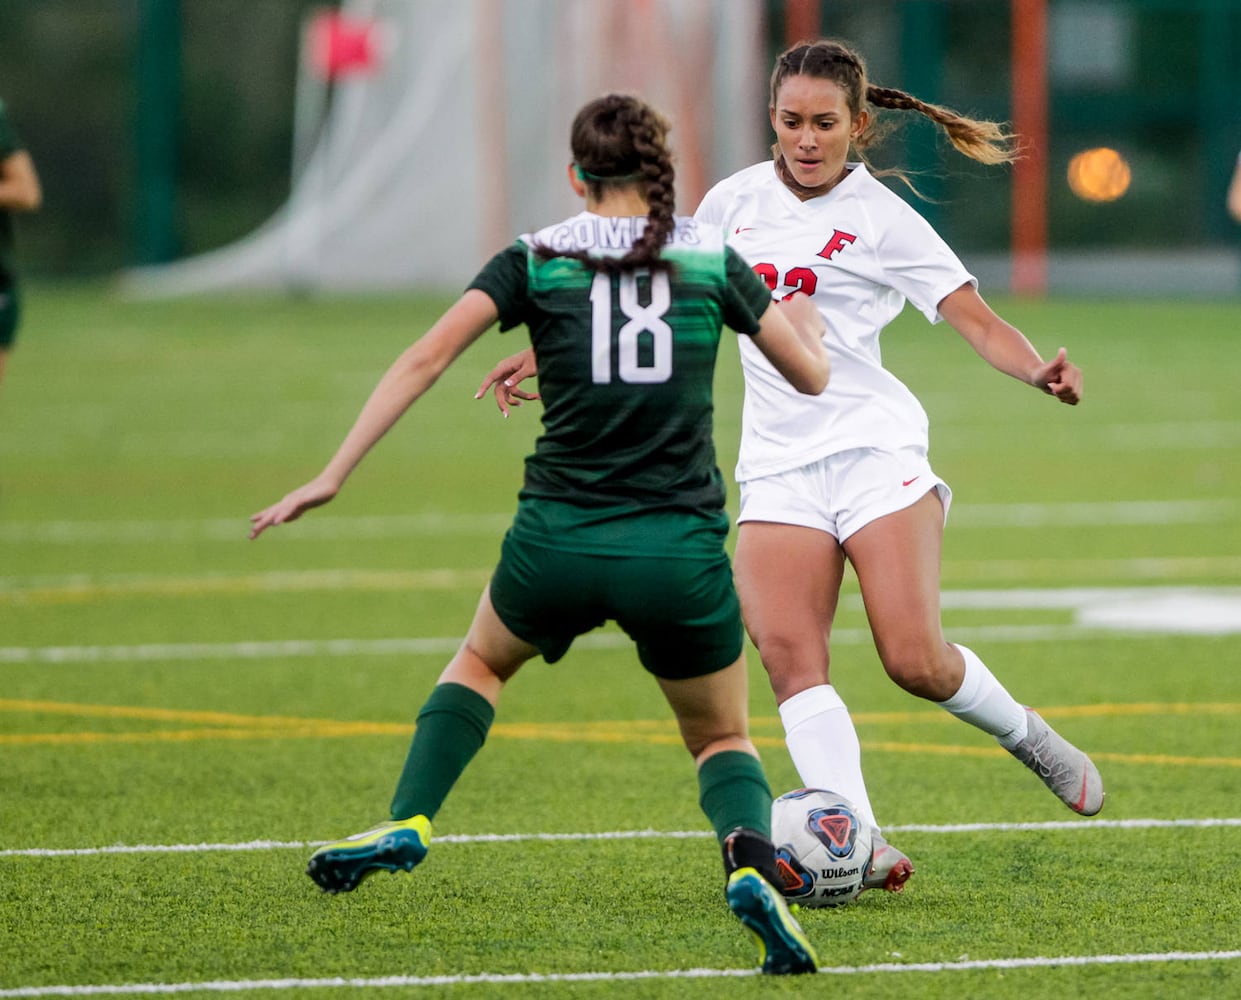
(620, 140)
(983, 141)
(648, 131)
(830, 59)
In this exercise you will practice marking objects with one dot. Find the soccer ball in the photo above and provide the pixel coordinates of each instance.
(823, 849)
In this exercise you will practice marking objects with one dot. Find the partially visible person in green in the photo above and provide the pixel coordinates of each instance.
(1234, 192)
(19, 192)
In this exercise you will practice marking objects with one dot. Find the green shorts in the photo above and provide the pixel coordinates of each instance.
(10, 310)
(682, 612)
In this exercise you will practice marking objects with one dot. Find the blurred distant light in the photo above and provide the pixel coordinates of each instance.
(1099, 174)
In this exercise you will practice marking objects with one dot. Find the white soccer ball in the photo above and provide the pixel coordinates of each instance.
(823, 848)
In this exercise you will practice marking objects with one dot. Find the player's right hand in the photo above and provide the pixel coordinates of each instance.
(315, 493)
(802, 312)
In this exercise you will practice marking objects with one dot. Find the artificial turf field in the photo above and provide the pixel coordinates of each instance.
(184, 714)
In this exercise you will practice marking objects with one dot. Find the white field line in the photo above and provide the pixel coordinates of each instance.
(234, 529)
(1070, 598)
(498, 838)
(335, 527)
(1098, 610)
(1182, 435)
(515, 979)
(446, 645)
(1085, 514)
(254, 650)
(88, 587)
(887, 968)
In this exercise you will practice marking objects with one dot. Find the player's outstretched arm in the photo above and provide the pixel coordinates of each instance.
(1006, 348)
(506, 376)
(411, 375)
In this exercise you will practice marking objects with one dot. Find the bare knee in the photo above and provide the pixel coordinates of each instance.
(793, 663)
(931, 670)
(711, 710)
(469, 668)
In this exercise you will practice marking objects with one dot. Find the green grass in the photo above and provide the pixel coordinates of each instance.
(135, 440)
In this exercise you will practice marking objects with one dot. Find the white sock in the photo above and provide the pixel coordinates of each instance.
(824, 745)
(982, 701)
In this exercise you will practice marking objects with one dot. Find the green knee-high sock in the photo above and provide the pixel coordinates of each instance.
(451, 729)
(733, 792)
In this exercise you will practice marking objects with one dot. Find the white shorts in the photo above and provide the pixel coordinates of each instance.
(843, 493)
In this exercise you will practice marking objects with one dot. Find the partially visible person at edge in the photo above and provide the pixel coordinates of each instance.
(1234, 192)
(19, 192)
(621, 516)
(845, 475)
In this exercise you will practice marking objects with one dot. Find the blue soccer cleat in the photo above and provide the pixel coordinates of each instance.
(399, 845)
(784, 949)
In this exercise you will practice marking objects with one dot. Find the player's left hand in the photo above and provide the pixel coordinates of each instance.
(1059, 377)
(506, 376)
(315, 493)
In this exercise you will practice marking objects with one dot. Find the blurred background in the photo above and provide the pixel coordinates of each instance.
(193, 145)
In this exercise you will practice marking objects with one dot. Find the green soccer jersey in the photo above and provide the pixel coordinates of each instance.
(626, 363)
(9, 144)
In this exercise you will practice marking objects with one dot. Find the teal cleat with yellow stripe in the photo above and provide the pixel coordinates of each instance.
(395, 846)
(784, 949)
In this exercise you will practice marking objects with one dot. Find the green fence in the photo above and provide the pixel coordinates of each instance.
(1158, 80)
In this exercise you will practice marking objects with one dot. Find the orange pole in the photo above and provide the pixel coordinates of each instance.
(1029, 209)
(802, 21)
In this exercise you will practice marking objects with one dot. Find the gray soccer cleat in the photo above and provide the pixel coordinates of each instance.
(1064, 769)
(889, 868)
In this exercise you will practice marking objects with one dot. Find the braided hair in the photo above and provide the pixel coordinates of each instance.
(618, 140)
(829, 59)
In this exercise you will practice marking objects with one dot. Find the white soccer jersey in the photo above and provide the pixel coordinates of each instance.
(860, 251)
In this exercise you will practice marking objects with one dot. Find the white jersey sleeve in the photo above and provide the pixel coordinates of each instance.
(917, 262)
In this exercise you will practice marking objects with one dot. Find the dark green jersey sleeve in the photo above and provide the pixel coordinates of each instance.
(746, 297)
(9, 142)
(505, 278)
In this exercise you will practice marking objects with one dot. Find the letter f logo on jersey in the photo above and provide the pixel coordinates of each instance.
(838, 242)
